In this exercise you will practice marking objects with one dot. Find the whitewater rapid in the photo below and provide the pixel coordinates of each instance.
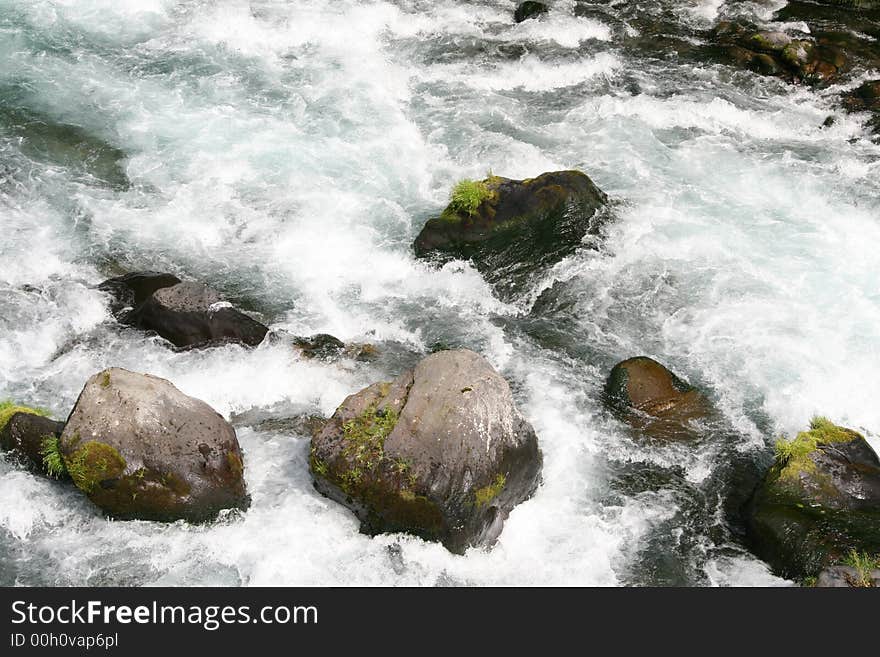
(287, 153)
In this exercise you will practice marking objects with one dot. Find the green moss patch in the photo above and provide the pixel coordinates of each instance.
(365, 436)
(486, 494)
(8, 409)
(793, 456)
(94, 462)
(235, 464)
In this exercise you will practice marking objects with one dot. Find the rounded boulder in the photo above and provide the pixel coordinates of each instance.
(140, 448)
(652, 398)
(441, 452)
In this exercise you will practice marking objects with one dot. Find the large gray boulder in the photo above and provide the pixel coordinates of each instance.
(186, 313)
(441, 452)
(140, 448)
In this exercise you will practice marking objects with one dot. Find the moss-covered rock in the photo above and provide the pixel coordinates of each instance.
(654, 400)
(529, 9)
(328, 348)
(185, 313)
(769, 41)
(24, 432)
(819, 502)
(440, 452)
(511, 227)
(805, 58)
(140, 448)
(8, 409)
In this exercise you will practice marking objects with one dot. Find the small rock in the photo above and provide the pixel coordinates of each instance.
(865, 97)
(654, 400)
(24, 432)
(528, 10)
(321, 346)
(187, 314)
(769, 41)
(326, 347)
(765, 64)
(847, 577)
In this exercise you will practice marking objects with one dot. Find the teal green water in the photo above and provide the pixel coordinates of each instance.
(288, 152)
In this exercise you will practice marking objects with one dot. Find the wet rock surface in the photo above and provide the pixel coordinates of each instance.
(186, 313)
(819, 502)
(141, 449)
(440, 452)
(24, 434)
(510, 228)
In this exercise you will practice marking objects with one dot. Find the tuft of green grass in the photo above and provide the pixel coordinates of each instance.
(53, 461)
(9, 408)
(793, 455)
(105, 379)
(863, 563)
(92, 463)
(467, 195)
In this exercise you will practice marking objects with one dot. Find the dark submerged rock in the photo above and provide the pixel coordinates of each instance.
(529, 9)
(304, 425)
(866, 98)
(654, 400)
(326, 347)
(131, 290)
(268, 420)
(140, 448)
(802, 57)
(47, 140)
(819, 502)
(321, 346)
(185, 313)
(24, 432)
(441, 452)
(515, 226)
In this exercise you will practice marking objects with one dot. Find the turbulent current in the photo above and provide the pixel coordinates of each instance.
(288, 152)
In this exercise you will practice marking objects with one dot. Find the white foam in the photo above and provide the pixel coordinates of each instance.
(292, 150)
(529, 73)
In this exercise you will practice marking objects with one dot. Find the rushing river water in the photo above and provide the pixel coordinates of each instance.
(288, 152)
